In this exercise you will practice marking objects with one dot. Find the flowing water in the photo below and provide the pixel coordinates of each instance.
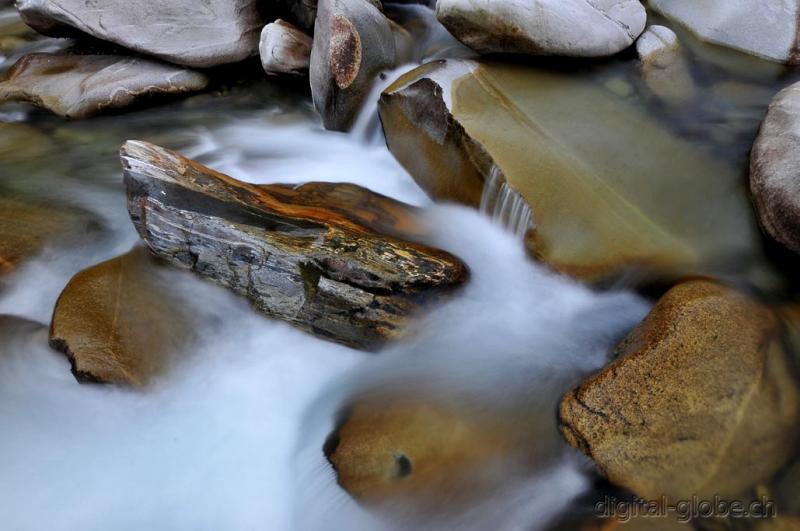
(232, 437)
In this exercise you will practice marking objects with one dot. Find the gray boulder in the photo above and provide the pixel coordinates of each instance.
(775, 169)
(573, 28)
(198, 34)
(79, 86)
(285, 49)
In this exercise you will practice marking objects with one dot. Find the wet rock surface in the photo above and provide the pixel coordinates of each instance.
(120, 322)
(335, 260)
(79, 86)
(285, 49)
(574, 28)
(701, 400)
(775, 169)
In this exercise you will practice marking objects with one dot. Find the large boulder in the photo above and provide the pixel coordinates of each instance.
(612, 190)
(79, 86)
(284, 49)
(574, 28)
(353, 43)
(701, 400)
(334, 259)
(767, 28)
(775, 169)
(120, 321)
(198, 34)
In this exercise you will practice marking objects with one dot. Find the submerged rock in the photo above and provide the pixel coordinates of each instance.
(775, 169)
(574, 28)
(702, 399)
(79, 86)
(119, 322)
(664, 66)
(612, 190)
(198, 34)
(767, 28)
(353, 43)
(285, 49)
(333, 259)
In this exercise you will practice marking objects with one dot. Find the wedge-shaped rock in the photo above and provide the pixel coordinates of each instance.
(333, 259)
(775, 169)
(199, 34)
(79, 86)
(285, 49)
(611, 189)
(702, 399)
(575, 28)
(120, 321)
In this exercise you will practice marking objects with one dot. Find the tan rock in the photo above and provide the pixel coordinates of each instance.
(701, 400)
(119, 322)
(285, 49)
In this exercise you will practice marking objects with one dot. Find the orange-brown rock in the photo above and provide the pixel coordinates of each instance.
(336, 260)
(701, 400)
(119, 321)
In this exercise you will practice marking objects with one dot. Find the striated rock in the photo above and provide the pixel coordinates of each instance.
(664, 67)
(334, 259)
(702, 399)
(198, 34)
(285, 49)
(775, 169)
(353, 43)
(119, 321)
(767, 28)
(78, 86)
(574, 28)
(612, 190)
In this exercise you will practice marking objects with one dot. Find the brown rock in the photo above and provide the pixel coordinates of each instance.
(336, 260)
(701, 401)
(119, 322)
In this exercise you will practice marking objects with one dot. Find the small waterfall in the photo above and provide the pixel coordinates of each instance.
(505, 205)
(367, 128)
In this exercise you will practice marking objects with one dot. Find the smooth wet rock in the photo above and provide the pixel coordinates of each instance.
(766, 28)
(285, 49)
(334, 259)
(79, 86)
(353, 43)
(775, 169)
(701, 400)
(120, 322)
(664, 67)
(612, 190)
(573, 28)
(198, 34)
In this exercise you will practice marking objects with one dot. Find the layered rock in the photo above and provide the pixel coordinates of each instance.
(353, 43)
(664, 66)
(79, 86)
(775, 169)
(573, 28)
(702, 399)
(336, 260)
(198, 34)
(768, 28)
(119, 321)
(285, 49)
(612, 190)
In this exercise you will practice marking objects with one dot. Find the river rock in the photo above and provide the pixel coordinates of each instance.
(285, 49)
(767, 28)
(198, 34)
(333, 259)
(79, 86)
(353, 43)
(701, 400)
(574, 28)
(664, 66)
(612, 190)
(120, 321)
(775, 169)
